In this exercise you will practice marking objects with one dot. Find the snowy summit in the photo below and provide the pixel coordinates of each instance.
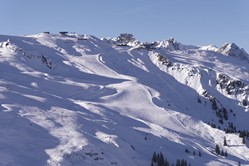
(70, 100)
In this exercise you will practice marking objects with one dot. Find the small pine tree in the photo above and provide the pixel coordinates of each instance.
(157, 157)
(199, 153)
(161, 159)
(166, 163)
(244, 140)
(178, 162)
(240, 134)
(239, 164)
(225, 114)
(185, 163)
(194, 153)
(221, 121)
(222, 153)
(225, 141)
(225, 154)
(182, 162)
(217, 149)
(154, 158)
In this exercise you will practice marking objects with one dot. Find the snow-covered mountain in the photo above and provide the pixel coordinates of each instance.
(69, 99)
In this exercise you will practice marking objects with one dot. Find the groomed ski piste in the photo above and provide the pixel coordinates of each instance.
(71, 100)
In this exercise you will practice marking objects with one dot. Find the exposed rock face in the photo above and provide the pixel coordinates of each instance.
(231, 86)
(170, 44)
(164, 60)
(125, 39)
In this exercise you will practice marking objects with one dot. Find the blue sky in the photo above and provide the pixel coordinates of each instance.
(198, 22)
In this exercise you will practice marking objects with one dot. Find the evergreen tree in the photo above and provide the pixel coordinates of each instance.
(244, 140)
(157, 157)
(186, 150)
(240, 134)
(225, 114)
(225, 154)
(154, 158)
(217, 149)
(178, 162)
(166, 163)
(225, 141)
(152, 164)
(161, 159)
(183, 163)
(239, 164)
(199, 153)
(221, 121)
(222, 153)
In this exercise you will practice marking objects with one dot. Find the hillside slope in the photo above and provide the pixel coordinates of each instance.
(72, 99)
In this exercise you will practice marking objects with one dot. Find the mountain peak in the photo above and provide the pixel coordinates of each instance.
(231, 49)
(210, 47)
(170, 44)
(125, 39)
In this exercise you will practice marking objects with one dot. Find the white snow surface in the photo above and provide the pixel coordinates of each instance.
(73, 100)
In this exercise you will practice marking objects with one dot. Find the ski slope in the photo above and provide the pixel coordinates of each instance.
(79, 100)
